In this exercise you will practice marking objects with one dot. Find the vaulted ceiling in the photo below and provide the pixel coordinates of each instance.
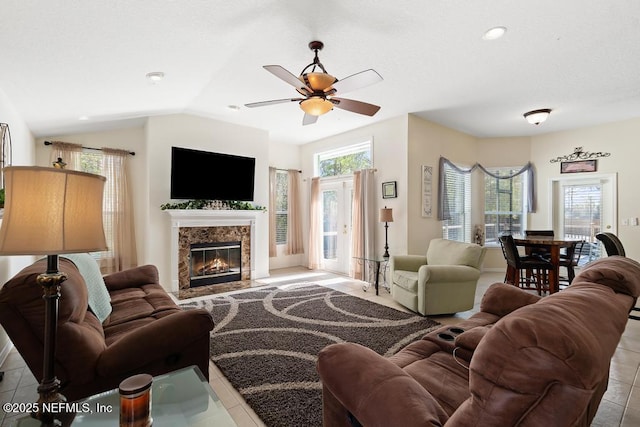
(63, 60)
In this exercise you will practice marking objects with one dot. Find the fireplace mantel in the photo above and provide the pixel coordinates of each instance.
(208, 218)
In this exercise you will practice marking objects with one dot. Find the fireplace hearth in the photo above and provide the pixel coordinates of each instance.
(215, 262)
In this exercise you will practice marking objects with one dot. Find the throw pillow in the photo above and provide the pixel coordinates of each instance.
(99, 298)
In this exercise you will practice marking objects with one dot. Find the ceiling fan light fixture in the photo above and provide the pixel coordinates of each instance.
(316, 106)
(318, 82)
(535, 117)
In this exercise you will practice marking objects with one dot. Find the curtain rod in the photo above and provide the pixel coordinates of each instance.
(133, 153)
(280, 169)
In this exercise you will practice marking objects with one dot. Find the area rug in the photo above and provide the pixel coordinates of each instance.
(266, 343)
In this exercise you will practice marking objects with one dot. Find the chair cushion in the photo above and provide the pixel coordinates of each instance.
(406, 279)
(99, 298)
(450, 252)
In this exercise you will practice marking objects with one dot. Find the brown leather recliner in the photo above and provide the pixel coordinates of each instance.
(145, 333)
(523, 360)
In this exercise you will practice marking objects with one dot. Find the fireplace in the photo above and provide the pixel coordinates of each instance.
(215, 262)
(202, 226)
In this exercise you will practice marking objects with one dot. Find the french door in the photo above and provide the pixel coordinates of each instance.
(584, 207)
(337, 197)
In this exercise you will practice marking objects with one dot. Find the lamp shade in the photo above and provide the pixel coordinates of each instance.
(316, 106)
(386, 215)
(51, 211)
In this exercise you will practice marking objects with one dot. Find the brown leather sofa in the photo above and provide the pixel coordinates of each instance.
(146, 331)
(523, 360)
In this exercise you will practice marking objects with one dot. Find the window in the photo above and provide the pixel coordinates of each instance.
(92, 162)
(458, 193)
(504, 204)
(282, 198)
(344, 161)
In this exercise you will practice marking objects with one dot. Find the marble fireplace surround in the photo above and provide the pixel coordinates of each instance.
(196, 226)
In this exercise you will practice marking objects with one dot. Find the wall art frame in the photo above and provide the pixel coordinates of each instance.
(389, 190)
(579, 166)
(427, 192)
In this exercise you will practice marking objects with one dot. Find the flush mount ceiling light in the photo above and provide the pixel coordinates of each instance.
(155, 76)
(494, 33)
(536, 117)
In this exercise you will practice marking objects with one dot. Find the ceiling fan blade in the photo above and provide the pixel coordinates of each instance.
(308, 119)
(273, 101)
(357, 81)
(288, 77)
(355, 106)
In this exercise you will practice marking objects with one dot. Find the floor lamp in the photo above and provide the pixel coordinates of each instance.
(386, 216)
(50, 211)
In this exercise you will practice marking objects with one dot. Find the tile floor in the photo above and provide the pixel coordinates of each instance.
(619, 407)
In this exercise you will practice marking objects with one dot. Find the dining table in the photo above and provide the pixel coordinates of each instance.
(553, 246)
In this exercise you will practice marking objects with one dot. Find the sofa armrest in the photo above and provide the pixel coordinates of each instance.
(407, 262)
(154, 341)
(374, 390)
(501, 299)
(447, 273)
(132, 278)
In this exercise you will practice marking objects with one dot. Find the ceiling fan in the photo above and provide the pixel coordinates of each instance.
(318, 89)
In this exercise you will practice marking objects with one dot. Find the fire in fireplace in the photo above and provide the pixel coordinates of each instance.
(215, 262)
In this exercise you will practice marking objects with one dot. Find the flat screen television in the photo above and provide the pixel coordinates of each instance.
(205, 175)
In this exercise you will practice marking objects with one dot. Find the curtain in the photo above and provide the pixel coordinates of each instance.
(272, 212)
(117, 206)
(294, 226)
(70, 153)
(118, 218)
(364, 222)
(443, 201)
(315, 226)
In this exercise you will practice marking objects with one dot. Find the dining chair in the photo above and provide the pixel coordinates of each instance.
(571, 259)
(536, 269)
(612, 244)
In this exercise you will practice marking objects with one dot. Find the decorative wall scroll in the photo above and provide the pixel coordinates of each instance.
(578, 154)
(427, 177)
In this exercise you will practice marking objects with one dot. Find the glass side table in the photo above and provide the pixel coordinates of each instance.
(375, 267)
(179, 398)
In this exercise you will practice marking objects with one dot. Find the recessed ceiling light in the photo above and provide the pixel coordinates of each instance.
(155, 76)
(494, 33)
(233, 107)
(83, 118)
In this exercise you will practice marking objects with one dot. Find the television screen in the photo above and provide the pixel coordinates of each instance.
(212, 176)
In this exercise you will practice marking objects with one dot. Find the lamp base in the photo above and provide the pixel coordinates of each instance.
(49, 386)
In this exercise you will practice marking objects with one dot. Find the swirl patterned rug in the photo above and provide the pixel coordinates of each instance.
(266, 341)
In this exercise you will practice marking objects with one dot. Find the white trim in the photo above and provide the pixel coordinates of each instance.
(613, 177)
(208, 218)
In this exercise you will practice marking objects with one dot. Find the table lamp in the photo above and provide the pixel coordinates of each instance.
(50, 211)
(386, 216)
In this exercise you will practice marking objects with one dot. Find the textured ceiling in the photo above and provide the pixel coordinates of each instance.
(62, 59)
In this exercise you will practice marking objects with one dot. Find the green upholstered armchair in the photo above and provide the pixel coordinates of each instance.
(442, 282)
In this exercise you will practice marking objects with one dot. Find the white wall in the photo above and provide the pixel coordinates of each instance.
(188, 131)
(390, 159)
(130, 139)
(621, 140)
(286, 156)
(427, 142)
(23, 155)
